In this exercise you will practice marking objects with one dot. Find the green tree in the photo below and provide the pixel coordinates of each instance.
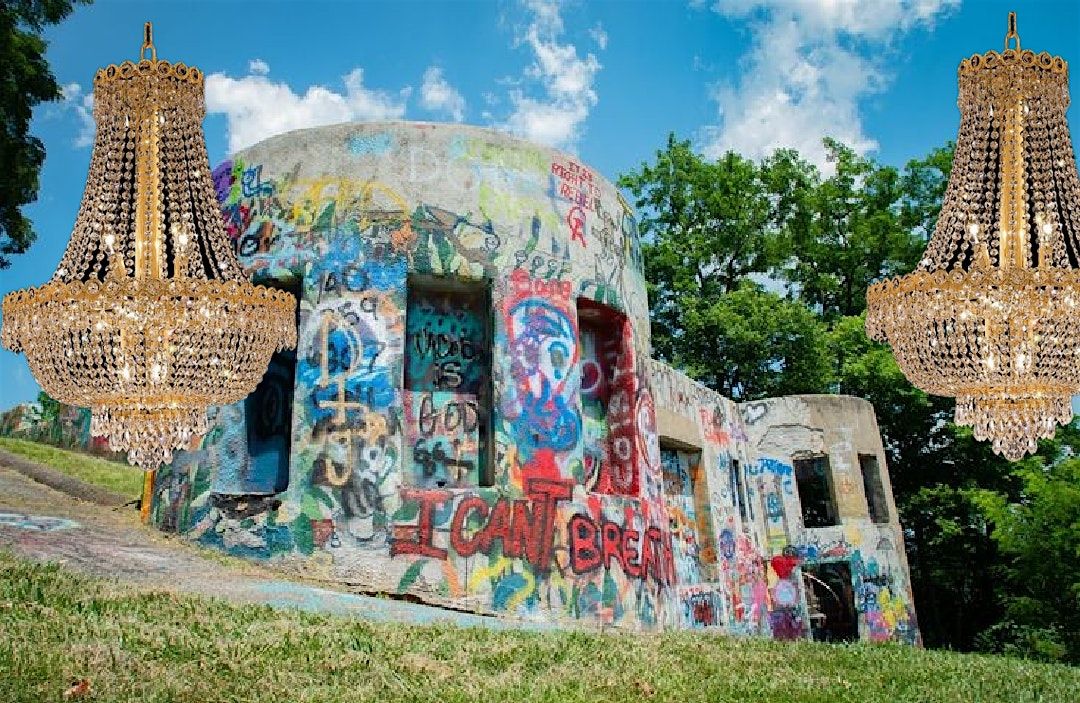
(1039, 537)
(924, 184)
(709, 228)
(27, 81)
(852, 234)
(706, 226)
(752, 343)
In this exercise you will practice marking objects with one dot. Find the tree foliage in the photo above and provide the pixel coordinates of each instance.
(27, 81)
(852, 234)
(708, 226)
(1039, 536)
(736, 343)
(723, 237)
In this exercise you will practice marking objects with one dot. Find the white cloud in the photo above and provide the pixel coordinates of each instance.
(556, 117)
(81, 104)
(256, 107)
(438, 95)
(810, 65)
(258, 67)
(599, 36)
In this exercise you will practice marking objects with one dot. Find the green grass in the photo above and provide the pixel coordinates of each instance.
(136, 645)
(120, 478)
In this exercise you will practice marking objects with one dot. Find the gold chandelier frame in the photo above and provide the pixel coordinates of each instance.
(988, 315)
(148, 319)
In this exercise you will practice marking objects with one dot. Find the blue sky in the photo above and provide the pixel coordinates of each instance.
(607, 80)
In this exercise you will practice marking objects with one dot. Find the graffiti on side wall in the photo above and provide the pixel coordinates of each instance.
(540, 399)
(703, 607)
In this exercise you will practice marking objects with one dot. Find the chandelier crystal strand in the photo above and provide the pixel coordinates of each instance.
(148, 319)
(989, 314)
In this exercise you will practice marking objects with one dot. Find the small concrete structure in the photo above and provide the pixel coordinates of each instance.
(473, 418)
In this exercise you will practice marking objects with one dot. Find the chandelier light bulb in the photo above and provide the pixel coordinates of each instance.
(121, 327)
(987, 316)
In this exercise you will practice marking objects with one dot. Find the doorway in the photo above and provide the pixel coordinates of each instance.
(830, 598)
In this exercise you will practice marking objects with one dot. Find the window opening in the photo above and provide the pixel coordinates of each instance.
(873, 488)
(815, 492)
(737, 489)
(448, 382)
(608, 417)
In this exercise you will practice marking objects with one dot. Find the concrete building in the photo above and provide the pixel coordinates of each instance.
(472, 416)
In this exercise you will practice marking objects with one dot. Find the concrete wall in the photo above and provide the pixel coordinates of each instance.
(473, 417)
(843, 430)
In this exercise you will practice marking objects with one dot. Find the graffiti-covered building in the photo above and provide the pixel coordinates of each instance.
(472, 416)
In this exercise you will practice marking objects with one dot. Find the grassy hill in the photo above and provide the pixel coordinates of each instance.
(136, 645)
(111, 475)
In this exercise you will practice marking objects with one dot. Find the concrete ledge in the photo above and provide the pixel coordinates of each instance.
(62, 482)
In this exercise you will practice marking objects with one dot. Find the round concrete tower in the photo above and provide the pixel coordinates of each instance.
(467, 411)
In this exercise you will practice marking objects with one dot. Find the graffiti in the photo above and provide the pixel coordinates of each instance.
(677, 466)
(604, 284)
(575, 183)
(714, 424)
(786, 624)
(516, 158)
(522, 529)
(36, 523)
(684, 538)
(703, 607)
(783, 473)
(594, 544)
(252, 185)
(446, 243)
(881, 601)
(543, 359)
(554, 264)
(647, 441)
(575, 219)
(630, 237)
(350, 379)
(347, 375)
(442, 428)
(753, 412)
(446, 341)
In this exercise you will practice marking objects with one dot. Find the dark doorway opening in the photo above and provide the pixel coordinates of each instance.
(267, 427)
(830, 598)
(268, 411)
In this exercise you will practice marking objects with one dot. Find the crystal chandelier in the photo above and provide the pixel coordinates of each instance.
(148, 319)
(990, 314)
